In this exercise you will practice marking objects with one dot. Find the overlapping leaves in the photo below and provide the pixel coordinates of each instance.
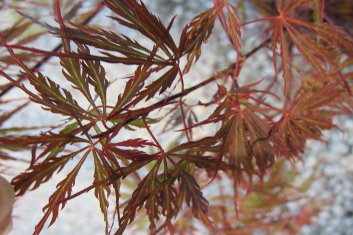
(310, 113)
(318, 42)
(246, 142)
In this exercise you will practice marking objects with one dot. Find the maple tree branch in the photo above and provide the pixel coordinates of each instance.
(42, 62)
(255, 49)
(221, 74)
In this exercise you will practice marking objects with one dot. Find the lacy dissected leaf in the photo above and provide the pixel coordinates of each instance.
(162, 198)
(129, 154)
(230, 23)
(157, 193)
(134, 52)
(246, 141)
(195, 34)
(168, 194)
(109, 57)
(108, 40)
(52, 98)
(161, 84)
(135, 15)
(97, 78)
(334, 36)
(313, 99)
(53, 144)
(101, 192)
(162, 201)
(318, 55)
(259, 131)
(310, 113)
(246, 144)
(319, 43)
(193, 196)
(72, 68)
(278, 39)
(138, 198)
(133, 86)
(50, 94)
(63, 190)
(109, 170)
(38, 174)
(73, 72)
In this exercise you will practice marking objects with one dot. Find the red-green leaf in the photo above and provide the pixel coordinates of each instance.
(64, 190)
(101, 192)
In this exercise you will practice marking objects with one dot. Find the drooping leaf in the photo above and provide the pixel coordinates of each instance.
(247, 145)
(195, 34)
(157, 193)
(101, 192)
(64, 189)
(140, 195)
(309, 114)
(194, 197)
(38, 174)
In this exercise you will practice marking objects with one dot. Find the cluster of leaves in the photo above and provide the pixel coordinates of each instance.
(265, 208)
(255, 126)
